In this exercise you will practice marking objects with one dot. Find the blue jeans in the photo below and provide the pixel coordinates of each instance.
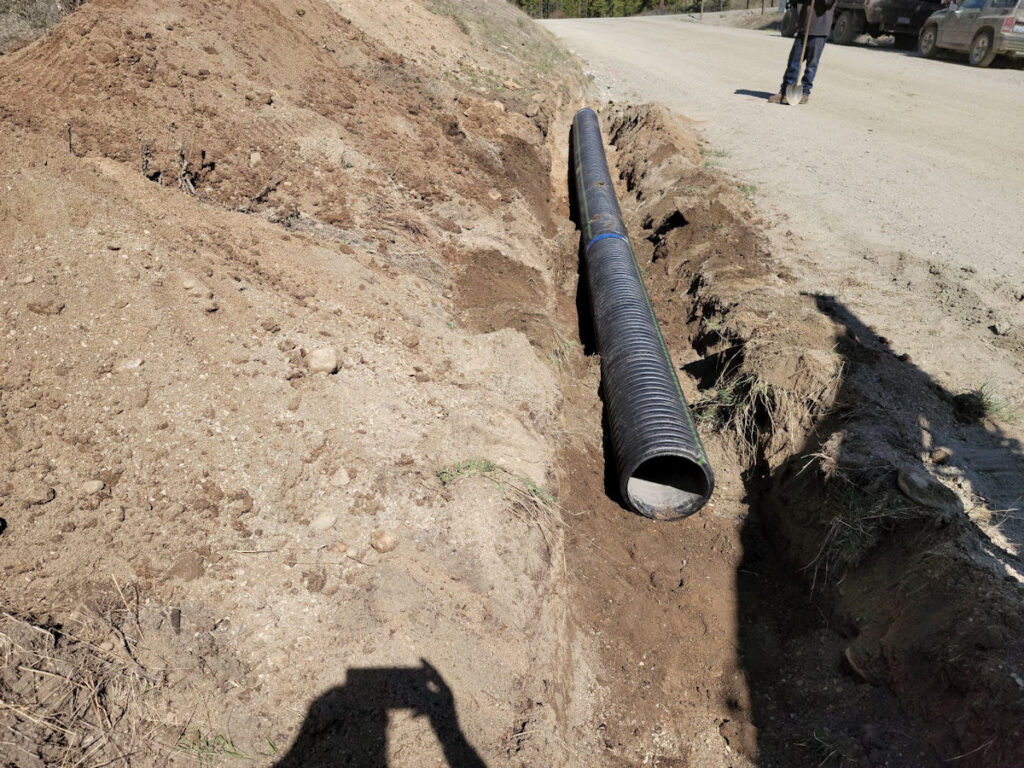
(815, 45)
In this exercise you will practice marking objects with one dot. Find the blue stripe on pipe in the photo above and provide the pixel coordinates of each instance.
(607, 235)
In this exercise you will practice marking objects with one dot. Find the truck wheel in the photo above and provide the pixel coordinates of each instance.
(787, 28)
(845, 29)
(982, 53)
(926, 44)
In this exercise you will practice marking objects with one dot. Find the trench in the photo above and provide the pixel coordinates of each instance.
(711, 641)
(712, 649)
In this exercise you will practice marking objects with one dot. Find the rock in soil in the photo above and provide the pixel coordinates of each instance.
(383, 541)
(323, 360)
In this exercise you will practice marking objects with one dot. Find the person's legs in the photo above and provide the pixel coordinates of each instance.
(815, 45)
(793, 66)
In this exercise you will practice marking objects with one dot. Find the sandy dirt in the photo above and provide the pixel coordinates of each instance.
(301, 446)
(262, 421)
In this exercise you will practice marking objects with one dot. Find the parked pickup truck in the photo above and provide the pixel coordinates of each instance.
(903, 19)
(983, 29)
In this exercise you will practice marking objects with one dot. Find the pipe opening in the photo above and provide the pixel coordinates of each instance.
(667, 487)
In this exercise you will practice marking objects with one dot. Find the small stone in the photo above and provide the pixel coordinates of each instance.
(383, 541)
(340, 478)
(255, 158)
(917, 485)
(129, 365)
(92, 487)
(512, 85)
(25, 280)
(352, 553)
(188, 284)
(740, 735)
(48, 305)
(278, 660)
(323, 360)
(853, 666)
(294, 402)
(211, 307)
(411, 341)
(140, 397)
(34, 493)
(331, 589)
(323, 522)
(941, 454)
(107, 646)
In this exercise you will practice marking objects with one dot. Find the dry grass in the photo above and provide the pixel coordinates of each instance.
(859, 513)
(74, 695)
(763, 417)
(531, 503)
(21, 21)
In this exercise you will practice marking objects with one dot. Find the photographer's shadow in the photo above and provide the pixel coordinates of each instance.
(347, 726)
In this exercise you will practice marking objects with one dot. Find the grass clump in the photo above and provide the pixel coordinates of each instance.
(448, 8)
(208, 748)
(741, 404)
(858, 515)
(983, 403)
(474, 467)
(528, 497)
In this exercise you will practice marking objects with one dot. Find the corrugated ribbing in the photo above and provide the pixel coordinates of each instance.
(662, 469)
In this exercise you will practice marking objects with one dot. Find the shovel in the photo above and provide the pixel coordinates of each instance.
(796, 91)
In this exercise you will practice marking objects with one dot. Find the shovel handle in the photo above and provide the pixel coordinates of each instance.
(803, 51)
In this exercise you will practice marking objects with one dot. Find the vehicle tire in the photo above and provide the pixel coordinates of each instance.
(790, 19)
(981, 53)
(927, 44)
(844, 31)
(904, 42)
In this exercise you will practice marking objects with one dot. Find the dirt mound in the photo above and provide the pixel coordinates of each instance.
(830, 419)
(236, 381)
(294, 111)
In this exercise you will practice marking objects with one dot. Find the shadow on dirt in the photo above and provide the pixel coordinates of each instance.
(348, 725)
(861, 546)
(755, 94)
(980, 457)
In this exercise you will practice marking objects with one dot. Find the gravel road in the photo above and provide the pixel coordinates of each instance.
(898, 185)
(893, 152)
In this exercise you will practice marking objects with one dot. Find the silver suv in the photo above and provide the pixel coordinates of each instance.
(983, 29)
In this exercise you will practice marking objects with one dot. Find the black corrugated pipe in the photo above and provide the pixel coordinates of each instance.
(662, 469)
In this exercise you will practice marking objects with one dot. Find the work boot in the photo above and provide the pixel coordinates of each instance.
(778, 98)
(805, 98)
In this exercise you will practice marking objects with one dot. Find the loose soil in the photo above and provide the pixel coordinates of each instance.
(303, 458)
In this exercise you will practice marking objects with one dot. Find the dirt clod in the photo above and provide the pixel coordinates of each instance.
(383, 541)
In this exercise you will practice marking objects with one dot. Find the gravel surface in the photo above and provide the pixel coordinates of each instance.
(893, 151)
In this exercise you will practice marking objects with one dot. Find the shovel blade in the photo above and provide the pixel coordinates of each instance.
(794, 93)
